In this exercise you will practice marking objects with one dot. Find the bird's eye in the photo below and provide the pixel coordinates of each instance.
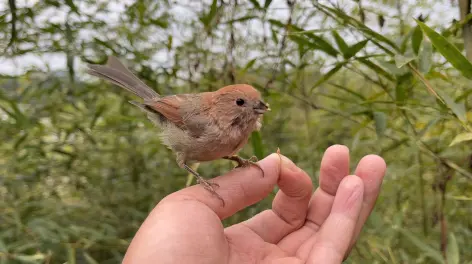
(240, 102)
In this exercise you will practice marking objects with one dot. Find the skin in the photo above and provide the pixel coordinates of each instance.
(302, 227)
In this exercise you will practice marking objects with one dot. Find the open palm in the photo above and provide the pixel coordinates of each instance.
(301, 227)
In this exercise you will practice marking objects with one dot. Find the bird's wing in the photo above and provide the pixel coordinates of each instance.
(171, 107)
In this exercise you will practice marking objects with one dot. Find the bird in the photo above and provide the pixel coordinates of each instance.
(197, 127)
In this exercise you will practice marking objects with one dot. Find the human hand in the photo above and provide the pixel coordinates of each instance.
(301, 227)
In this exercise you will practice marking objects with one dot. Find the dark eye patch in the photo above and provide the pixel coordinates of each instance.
(240, 102)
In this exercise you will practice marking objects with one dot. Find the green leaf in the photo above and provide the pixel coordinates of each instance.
(416, 39)
(213, 8)
(342, 45)
(328, 75)
(3, 246)
(425, 59)
(391, 68)
(240, 19)
(160, 22)
(458, 108)
(427, 249)
(354, 49)
(301, 41)
(72, 6)
(267, 3)
(401, 60)
(359, 25)
(169, 42)
(30, 258)
(348, 90)
(257, 147)
(256, 4)
(380, 120)
(376, 68)
(89, 259)
(448, 50)
(276, 23)
(452, 253)
(402, 88)
(71, 254)
(428, 126)
(322, 44)
(208, 18)
(274, 36)
(250, 64)
(461, 138)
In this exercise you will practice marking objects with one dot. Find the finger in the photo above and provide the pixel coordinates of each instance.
(334, 236)
(371, 169)
(334, 167)
(289, 207)
(239, 188)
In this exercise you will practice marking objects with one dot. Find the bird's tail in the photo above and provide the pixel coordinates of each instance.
(117, 73)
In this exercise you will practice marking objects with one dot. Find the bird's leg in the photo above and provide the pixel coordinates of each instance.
(242, 163)
(205, 183)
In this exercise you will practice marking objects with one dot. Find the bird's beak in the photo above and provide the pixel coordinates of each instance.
(261, 107)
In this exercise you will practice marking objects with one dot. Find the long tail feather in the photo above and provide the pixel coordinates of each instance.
(114, 71)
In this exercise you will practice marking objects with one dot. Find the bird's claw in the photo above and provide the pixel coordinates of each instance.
(244, 163)
(208, 185)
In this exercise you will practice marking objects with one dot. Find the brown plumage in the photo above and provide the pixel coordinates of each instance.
(196, 127)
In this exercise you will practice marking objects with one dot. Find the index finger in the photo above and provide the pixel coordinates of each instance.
(239, 188)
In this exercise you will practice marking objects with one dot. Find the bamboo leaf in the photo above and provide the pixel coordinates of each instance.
(448, 50)
(322, 44)
(425, 57)
(461, 138)
(416, 39)
(212, 13)
(342, 45)
(458, 108)
(328, 75)
(380, 120)
(427, 249)
(208, 18)
(256, 4)
(267, 3)
(376, 68)
(401, 60)
(240, 19)
(276, 23)
(89, 259)
(71, 254)
(402, 88)
(348, 90)
(250, 64)
(30, 258)
(452, 253)
(358, 25)
(301, 41)
(354, 49)
(257, 147)
(72, 6)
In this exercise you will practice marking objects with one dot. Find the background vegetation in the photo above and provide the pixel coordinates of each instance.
(80, 168)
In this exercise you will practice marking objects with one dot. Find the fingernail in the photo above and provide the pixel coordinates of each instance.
(288, 164)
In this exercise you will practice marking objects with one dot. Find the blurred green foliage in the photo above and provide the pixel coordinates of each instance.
(80, 168)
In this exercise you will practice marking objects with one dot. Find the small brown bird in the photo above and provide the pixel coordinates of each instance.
(196, 127)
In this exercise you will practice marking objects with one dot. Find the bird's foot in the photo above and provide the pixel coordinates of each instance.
(208, 185)
(244, 163)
